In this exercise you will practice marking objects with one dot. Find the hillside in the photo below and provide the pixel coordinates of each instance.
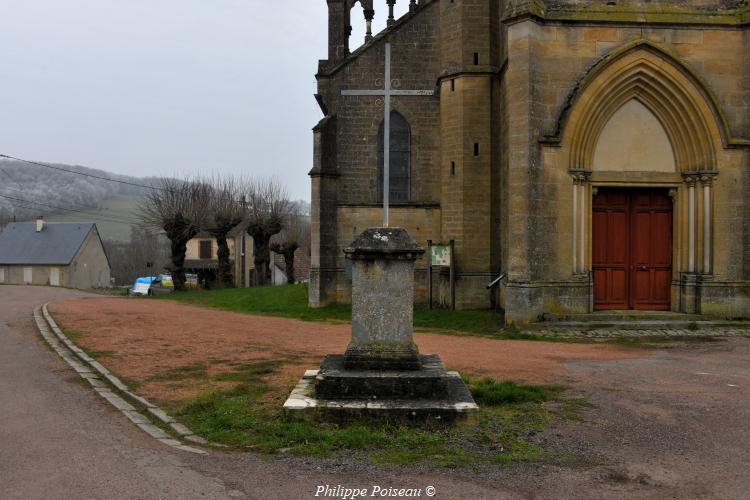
(114, 217)
(27, 191)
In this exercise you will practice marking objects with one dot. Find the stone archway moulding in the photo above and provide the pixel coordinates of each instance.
(690, 117)
(659, 83)
(683, 104)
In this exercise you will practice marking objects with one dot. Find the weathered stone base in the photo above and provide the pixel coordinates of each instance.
(526, 303)
(455, 406)
(381, 357)
(336, 381)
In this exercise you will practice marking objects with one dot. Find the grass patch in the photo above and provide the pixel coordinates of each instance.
(249, 417)
(194, 371)
(487, 392)
(250, 371)
(101, 354)
(73, 335)
(290, 301)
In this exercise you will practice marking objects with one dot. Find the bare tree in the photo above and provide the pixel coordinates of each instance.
(226, 213)
(295, 235)
(180, 209)
(133, 258)
(267, 206)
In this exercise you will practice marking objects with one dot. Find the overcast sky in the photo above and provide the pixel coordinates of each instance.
(158, 87)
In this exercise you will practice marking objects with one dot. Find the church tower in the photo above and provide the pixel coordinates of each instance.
(470, 143)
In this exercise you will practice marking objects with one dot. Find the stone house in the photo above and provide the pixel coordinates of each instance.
(301, 268)
(56, 254)
(597, 153)
(202, 258)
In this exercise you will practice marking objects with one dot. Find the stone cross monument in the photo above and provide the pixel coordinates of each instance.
(382, 375)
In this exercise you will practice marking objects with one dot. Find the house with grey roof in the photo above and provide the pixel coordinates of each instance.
(55, 254)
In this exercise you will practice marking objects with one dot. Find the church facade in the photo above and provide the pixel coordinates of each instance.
(595, 153)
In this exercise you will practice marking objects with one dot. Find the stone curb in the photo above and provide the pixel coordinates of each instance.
(87, 370)
(615, 333)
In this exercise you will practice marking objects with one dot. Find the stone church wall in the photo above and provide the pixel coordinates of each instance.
(547, 62)
(507, 73)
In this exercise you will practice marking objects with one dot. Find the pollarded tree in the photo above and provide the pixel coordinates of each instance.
(180, 209)
(226, 213)
(295, 235)
(267, 206)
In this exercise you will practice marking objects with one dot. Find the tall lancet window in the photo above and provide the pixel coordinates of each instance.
(400, 164)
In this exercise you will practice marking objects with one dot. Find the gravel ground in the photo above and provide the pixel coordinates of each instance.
(666, 422)
(145, 339)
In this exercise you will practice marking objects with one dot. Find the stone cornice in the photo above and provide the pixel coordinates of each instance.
(624, 14)
(473, 71)
(316, 172)
(397, 205)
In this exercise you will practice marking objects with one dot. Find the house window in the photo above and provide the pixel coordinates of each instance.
(205, 250)
(400, 160)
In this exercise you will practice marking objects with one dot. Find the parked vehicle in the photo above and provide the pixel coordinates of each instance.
(152, 285)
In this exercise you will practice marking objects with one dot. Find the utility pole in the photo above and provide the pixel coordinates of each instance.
(244, 247)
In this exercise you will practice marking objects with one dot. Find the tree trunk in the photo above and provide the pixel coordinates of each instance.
(289, 264)
(179, 231)
(262, 234)
(226, 277)
(262, 255)
(179, 249)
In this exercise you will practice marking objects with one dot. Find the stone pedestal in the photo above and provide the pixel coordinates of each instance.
(382, 375)
(382, 301)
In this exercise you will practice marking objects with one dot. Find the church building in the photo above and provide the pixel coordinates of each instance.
(596, 153)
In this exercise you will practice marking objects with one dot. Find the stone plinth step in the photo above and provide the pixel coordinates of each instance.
(334, 381)
(457, 405)
(633, 320)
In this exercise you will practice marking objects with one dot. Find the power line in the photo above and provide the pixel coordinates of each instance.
(29, 205)
(109, 179)
(81, 208)
(103, 218)
(127, 183)
(8, 175)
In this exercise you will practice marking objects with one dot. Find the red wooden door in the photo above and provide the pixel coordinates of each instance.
(632, 249)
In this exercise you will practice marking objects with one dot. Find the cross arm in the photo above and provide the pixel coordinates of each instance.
(363, 92)
(412, 92)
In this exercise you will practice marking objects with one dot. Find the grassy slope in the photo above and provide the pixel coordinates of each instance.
(117, 207)
(291, 302)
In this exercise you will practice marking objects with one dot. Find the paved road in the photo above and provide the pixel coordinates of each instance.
(58, 439)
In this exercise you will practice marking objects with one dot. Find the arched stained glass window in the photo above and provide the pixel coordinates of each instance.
(400, 165)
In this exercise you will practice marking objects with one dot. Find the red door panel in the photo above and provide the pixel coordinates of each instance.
(632, 249)
(610, 250)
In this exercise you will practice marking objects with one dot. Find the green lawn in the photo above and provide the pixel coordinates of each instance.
(290, 301)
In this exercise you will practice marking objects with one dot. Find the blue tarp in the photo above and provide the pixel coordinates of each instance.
(145, 281)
